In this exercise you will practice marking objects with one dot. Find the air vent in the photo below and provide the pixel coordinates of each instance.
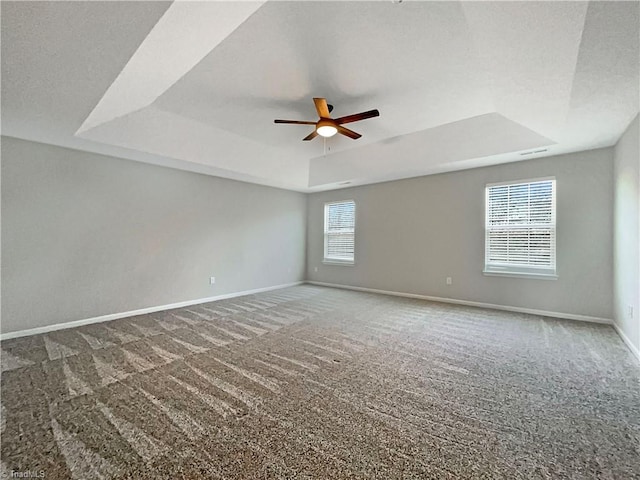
(534, 151)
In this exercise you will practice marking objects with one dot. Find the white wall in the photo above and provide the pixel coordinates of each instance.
(627, 234)
(86, 235)
(412, 234)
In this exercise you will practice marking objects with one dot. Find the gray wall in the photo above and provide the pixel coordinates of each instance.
(85, 235)
(411, 234)
(627, 233)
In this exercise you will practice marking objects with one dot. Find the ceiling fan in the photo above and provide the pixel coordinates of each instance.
(327, 126)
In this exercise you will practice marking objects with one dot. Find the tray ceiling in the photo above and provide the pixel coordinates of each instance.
(196, 85)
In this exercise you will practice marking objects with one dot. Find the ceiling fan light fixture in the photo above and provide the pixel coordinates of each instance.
(326, 128)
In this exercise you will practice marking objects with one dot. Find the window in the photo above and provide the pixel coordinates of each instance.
(520, 228)
(339, 232)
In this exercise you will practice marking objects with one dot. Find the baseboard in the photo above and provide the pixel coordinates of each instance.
(142, 311)
(545, 313)
(627, 341)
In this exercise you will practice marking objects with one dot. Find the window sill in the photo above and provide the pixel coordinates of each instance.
(346, 263)
(538, 276)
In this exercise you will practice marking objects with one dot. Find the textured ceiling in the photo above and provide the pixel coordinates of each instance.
(196, 85)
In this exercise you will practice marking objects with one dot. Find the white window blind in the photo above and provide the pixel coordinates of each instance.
(520, 228)
(339, 232)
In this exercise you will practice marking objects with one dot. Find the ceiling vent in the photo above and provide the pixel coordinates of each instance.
(534, 151)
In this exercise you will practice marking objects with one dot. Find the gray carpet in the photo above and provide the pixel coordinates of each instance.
(319, 383)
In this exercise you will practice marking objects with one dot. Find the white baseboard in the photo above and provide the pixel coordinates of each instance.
(627, 341)
(545, 313)
(142, 311)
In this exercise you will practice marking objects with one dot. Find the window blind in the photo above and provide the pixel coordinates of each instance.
(521, 228)
(339, 231)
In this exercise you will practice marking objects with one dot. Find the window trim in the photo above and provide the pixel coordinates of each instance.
(338, 261)
(511, 274)
(522, 271)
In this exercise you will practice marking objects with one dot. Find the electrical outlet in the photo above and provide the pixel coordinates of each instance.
(449, 281)
(212, 280)
(315, 269)
(630, 311)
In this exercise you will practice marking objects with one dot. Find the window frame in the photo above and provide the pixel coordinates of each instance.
(332, 260)
(516, 270)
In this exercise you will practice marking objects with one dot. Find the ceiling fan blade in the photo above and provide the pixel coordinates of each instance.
(348, 133)
(311, 136)
(322, 107)
(357, 116)
(295, 122)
